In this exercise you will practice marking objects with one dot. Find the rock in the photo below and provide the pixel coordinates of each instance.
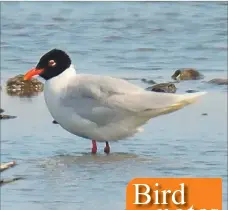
(191, 91)
(163, 87)
(148, 81)
(55, 122)
(129, 78)
(5, 166)
(219, 81)
(7, 181)
(8, 165)
(17, 86)
(187, 74)
(6, 117)
(204, 114)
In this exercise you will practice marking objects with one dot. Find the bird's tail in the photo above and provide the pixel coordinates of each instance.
(175, 102)
(189, 98)
(162, 103)
(184, 100)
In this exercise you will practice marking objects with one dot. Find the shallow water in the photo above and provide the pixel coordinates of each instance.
(132, 40)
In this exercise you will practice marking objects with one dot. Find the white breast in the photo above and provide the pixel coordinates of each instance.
(54, 90)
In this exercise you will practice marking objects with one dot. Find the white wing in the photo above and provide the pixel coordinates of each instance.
(90, 97)
(103, 100)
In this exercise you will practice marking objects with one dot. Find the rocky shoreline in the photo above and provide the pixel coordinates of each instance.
(17, 86)
(6, 166)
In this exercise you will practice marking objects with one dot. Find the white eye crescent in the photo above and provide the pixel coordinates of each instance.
(51, 63)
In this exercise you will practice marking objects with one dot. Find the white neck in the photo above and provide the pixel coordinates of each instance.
(60, 81)
(67, 73)
(54, 88)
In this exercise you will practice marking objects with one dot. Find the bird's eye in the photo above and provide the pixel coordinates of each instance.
(51, 63)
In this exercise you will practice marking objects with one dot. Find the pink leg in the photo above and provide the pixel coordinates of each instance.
(107, 148)
(94, 147)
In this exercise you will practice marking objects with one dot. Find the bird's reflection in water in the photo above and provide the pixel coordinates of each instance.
(89, 159)
(73, 170)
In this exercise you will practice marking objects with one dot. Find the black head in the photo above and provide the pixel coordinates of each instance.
(176, 74)
(53, 63)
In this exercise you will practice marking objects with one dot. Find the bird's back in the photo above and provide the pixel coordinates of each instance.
(102, 107)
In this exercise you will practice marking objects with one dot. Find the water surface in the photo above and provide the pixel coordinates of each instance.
(133, 40)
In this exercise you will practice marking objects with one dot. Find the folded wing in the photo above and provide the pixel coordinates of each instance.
(103, 100)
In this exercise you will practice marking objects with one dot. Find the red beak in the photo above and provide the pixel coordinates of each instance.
(33, 72)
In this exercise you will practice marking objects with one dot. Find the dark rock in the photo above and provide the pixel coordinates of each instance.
(163, 87)
(204, 114)
(191, 91)
(55, 122)
(7, 181)
(151, 82)
(219, 81)
(5, 166)
(130, 78)
(187, 74)
(6, 117)
(17, 86)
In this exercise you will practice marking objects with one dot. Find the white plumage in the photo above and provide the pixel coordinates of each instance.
(104, 108)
